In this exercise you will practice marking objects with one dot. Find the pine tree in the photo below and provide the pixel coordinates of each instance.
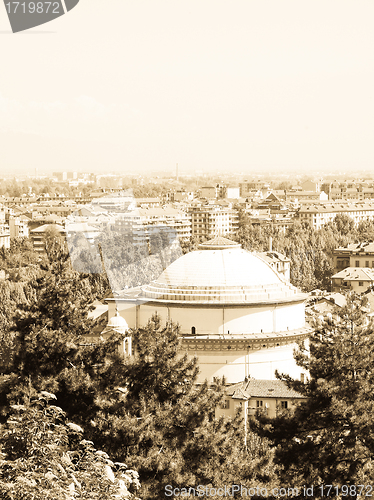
(145, 411)
(50, 325)
(329, 439)
(162, 424)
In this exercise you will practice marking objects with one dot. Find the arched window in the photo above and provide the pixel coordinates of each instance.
(193, 330)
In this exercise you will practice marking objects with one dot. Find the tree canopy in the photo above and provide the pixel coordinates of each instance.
(329, 438)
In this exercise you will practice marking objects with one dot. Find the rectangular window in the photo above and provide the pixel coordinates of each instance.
(259, 404)
(284, 405)
(225, 405)
(372, 263)
(360, 283)
(366, 263)
(357, 263)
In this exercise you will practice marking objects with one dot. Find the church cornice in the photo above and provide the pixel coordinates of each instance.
(246, 343)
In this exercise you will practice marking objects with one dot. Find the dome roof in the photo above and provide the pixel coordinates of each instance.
(219, 243)
(229, 275)
(117, 323)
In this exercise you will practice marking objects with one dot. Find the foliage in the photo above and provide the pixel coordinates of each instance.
(43, 456)
(344, 224)
(146, 412)
(162, 424)
(310, 251)
(329, 438)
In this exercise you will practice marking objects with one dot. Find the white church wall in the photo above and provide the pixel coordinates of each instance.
(205, 320)
(147, 311)
(236, 365)
(290, 316)
(248, 320)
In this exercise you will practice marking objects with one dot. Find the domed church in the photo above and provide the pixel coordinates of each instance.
(236, 313)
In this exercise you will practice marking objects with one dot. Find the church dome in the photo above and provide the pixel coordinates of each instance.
(220, 272)
(117, 323)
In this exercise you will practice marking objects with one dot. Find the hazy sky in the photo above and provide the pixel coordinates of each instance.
(141, 85)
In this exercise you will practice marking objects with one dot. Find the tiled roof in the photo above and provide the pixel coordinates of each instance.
(367, 247)
(356, 273)
(262, 389)
(336, 298)
(46, 227)
(337, 207)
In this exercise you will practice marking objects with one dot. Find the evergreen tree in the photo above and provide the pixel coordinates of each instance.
(150, 414)
(329, 439)
(145, 411)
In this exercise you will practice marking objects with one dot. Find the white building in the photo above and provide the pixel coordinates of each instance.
(357, 279)
(209, 221)
(236, 314)
(319, 215)
(268, 397)
(18, 227)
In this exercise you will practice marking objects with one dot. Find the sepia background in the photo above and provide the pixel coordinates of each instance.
(214, 85)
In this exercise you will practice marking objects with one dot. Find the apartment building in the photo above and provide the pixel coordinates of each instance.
(354, 255)
(278, 262)
(18, 227)
(211, 220)
(137, 223)
(4, 236)
(209, 192)
(247, 188)
(349, 190)
(4, 229)
(38, 235)
(319, 215)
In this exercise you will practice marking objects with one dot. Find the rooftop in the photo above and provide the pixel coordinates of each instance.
(262, 389)
(356, 273)
(367, 247)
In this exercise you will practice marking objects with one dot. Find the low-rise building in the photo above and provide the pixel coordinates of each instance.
(356, 279)
(38, 235)
(266, 396)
